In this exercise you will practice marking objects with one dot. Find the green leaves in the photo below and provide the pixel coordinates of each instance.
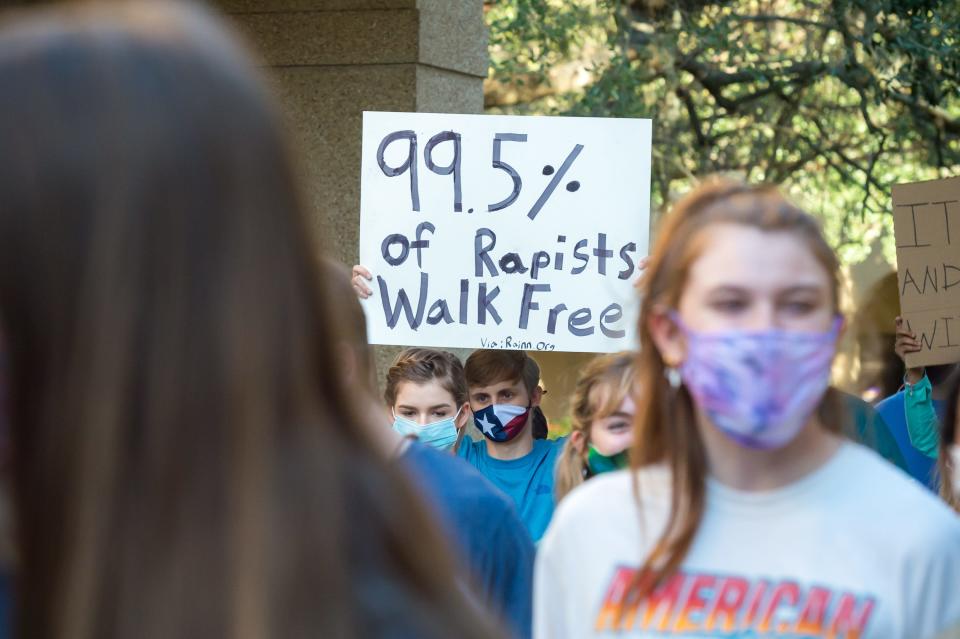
(836, 100)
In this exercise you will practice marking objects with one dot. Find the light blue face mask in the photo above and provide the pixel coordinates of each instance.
(441, 435)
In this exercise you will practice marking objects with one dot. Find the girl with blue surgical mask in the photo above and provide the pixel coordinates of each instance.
(745, 513)
(426, 392)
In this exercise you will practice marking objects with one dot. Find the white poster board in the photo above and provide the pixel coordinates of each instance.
(504, 231)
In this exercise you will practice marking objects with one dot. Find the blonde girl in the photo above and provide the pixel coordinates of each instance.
(601, 411)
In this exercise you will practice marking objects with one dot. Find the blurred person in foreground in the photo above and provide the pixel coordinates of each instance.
(187, 461)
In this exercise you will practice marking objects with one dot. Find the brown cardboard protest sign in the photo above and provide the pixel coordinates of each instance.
(926, 222)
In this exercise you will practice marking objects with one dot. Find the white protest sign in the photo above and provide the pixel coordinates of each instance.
(504, 231)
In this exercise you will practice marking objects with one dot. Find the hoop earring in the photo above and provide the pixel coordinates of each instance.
(672, 373)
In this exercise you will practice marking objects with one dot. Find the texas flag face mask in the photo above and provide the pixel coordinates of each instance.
(501, 422)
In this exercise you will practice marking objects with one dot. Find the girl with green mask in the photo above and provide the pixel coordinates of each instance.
(601, 411)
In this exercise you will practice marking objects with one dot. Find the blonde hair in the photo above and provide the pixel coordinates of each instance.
(601, 388)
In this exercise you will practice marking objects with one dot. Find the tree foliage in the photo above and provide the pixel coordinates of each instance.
(834, 99)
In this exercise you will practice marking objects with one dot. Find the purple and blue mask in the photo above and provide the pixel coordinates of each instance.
(758, 387)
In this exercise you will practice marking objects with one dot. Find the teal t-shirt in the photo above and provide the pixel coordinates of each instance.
(528, 481)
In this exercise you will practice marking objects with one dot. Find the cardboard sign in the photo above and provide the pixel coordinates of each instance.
(926, 221)
(504, 231)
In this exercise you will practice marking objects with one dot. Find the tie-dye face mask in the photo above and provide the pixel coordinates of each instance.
(758, 387)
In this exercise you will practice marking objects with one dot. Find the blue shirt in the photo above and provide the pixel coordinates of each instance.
(484, 526)
(527, 480)
(894, 412)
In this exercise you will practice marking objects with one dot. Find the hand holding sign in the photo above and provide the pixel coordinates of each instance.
(906, 343)
(359, 278)
(641, 267)
(502, 231)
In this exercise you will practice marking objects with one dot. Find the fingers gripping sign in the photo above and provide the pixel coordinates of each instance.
(360, 276)
(641, 267)
(905, 343)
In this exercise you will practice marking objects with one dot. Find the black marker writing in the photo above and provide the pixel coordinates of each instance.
(498, 141)
(453, 167)
(913, 219)
(410, 164)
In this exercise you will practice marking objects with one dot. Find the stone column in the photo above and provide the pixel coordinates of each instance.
(330, 60)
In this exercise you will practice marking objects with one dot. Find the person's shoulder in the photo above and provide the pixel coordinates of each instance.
(594, 500)
(423, 457)
(614, 491)
(621, 499)
(550, 446)
(458, 484)
(885, 489)
(893, 403)
(470, 449)
(853, 402)
(460, 480)
(860, 409)
(590, 493)
(864, 469)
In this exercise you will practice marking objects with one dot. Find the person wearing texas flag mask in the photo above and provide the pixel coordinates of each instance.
(502, 422)
(504, 393)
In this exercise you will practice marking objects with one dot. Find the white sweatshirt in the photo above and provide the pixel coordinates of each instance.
(854, 550)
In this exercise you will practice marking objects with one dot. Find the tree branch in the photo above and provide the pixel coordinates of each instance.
(775, 18)
(866, 184)
(695, 122)
(714, 80)
(837, 149)
(941, 119)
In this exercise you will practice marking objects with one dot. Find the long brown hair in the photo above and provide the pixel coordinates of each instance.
(186, 461)
(666, 428)
(946, 470)
(601, 388)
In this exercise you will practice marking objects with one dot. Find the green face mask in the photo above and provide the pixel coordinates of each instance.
(598, 463)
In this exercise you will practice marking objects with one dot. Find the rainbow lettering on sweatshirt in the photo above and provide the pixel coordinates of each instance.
(726, 605)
